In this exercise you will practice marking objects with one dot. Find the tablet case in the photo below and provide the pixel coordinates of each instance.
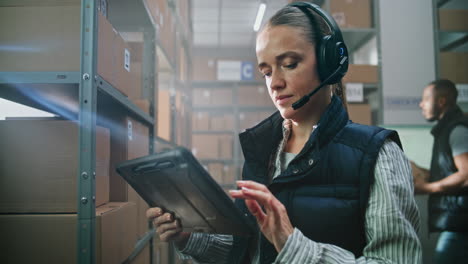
(176, 182)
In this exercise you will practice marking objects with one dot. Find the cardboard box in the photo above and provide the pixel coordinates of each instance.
(453, 20)
(224, 174)
(157, 9)
(39, 166)
(454, 66)
(51, 238)
(205, 146)
(360, 73)
(181, 128)
(127, 76)
(143, 104)
(225, 146)
(360, 113)
(204, 69)
(50, 38)
(162, 16)
(165, 29)
(251, 119)
(202, 97)
(142, 225)
(216, 171)
(201, 121)
(254, 95)
(212, 146)
(221, 121)
(351, 13)
(221, 97)
(212, 97)
(230, 174)
(163, 126)
(129, 140)
(185, 14)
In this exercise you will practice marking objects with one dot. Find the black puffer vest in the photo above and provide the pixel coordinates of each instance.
(325, 188)
(447, 212)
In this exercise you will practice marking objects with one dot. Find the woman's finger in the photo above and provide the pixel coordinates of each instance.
(154, 212)
(261, 197)
(256, 210)
(168, 235)
(166, 227)
(167, 217)
(253, 185)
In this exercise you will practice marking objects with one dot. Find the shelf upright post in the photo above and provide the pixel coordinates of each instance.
(435, 19)
(149, 78)
(86, 235)
(376, 19)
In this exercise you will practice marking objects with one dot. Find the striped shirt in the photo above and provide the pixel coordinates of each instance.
(391, 223)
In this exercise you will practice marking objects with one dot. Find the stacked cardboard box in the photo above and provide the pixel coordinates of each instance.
(51, 238)
(223, 173)
(165, 26)
(212, 146)
(206, 68)
(254, 96)
(39, 166)
(454, 66)
(361, 73)
(212, 97)
(163, 125)
(250, 119)
(453, 20)
(129, 140)
(55, 32)
(351, 13)
(212, 121)
(360, 113)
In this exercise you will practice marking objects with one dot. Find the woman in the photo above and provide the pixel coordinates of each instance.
(321, 188)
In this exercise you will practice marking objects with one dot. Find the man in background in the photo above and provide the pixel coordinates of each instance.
(447, 180)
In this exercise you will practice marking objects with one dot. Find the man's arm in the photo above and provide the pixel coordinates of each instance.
(449, 184)
(458, 141)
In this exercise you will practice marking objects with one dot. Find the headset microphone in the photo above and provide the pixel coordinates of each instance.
(301, 102)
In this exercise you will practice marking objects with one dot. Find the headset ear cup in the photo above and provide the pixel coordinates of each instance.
(324, 57)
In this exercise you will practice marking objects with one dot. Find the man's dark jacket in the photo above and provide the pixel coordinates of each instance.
(447, 212)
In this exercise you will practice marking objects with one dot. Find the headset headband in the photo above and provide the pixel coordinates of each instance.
(335, 30)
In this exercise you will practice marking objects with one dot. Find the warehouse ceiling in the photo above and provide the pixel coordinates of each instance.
(226, 26)
(228, 23)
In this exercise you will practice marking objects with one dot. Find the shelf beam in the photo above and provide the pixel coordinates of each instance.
(451, 40)
(40, 77)
(123, 100)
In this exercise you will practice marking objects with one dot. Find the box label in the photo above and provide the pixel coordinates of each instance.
(355, 92)
(247, 71)
(462, 92)
(130, 130)
(127, 60)
(229, 70)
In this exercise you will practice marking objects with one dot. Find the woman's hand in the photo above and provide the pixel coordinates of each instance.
(273, 218)
(168, 228)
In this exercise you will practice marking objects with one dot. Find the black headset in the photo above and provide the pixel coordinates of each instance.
(331, 51)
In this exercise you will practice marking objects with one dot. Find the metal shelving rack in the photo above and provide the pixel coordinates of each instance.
(356, 38)
(84, 90)
(233, 108)
(456, 41)
(168, 75)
